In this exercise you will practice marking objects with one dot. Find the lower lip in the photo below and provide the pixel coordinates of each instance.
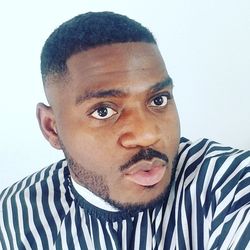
(147, 178)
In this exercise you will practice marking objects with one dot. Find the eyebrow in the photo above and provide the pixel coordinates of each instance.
(119, 93)
(162, 85)
(99, 94)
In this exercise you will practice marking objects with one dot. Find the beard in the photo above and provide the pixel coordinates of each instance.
(98, 185)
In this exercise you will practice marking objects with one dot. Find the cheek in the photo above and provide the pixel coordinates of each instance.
(171, 133)
(87, 147)
(171, 121)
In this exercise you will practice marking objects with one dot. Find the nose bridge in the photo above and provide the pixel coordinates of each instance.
(140, 129)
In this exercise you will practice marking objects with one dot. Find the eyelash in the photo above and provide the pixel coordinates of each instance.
(111, 107)
(164, 94)
(103, 106)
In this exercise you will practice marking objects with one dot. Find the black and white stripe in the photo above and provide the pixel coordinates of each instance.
(208, 207)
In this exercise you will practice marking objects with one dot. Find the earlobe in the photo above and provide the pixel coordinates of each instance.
(47, 124)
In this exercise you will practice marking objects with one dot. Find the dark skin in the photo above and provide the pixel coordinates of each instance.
(114, 101)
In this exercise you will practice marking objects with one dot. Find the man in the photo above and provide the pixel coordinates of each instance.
(128, 181)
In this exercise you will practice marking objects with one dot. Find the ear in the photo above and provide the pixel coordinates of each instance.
(47, 124)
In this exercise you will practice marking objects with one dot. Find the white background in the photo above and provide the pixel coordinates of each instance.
(205, 44)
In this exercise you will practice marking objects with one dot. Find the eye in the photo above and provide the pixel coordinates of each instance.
(159, 101)
(102, 113)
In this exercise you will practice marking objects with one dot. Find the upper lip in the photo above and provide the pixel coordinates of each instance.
(144, 165)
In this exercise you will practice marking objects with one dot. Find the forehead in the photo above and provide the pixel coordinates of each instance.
(130, 67)
(117, 64)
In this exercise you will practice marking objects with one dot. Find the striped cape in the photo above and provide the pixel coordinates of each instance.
(208, 207)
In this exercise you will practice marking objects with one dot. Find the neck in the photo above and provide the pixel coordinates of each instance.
(92, 198)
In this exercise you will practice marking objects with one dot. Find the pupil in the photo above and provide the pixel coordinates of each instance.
(102, 112)
(158, 100)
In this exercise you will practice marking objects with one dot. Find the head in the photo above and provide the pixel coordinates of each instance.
(111, 108)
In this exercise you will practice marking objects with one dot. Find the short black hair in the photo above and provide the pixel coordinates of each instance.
(88, 31)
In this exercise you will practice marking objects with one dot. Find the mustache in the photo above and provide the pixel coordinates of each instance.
(144, 154)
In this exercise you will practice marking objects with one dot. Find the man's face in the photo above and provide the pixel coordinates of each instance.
(117, 122)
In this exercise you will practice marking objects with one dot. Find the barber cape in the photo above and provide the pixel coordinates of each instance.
(208, 207)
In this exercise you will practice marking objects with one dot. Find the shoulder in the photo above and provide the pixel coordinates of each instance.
(215, 179)
(213, 166)
(217, 156)
(52, 175)
(33, 191)
(34, 205)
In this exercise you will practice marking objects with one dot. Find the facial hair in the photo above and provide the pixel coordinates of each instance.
(98, 185)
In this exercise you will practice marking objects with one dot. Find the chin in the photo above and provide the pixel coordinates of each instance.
(148, 197)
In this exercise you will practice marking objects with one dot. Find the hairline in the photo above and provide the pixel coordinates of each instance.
(63, 77)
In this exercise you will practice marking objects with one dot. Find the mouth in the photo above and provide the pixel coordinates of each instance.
(146, 173)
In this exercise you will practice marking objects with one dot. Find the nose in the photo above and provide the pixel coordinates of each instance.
(139, 130)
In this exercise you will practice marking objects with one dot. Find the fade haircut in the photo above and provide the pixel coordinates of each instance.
(86, 31)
